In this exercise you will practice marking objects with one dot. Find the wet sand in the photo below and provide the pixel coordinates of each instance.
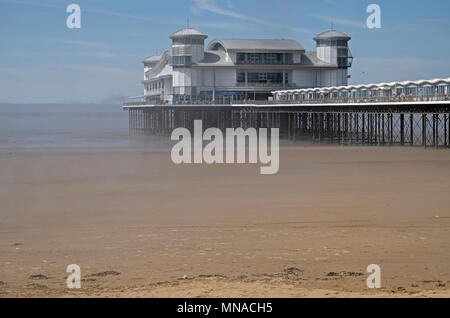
(138, 225)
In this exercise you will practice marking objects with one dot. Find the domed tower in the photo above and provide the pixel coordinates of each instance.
(189, 45)
(187, 48)
(332, 47)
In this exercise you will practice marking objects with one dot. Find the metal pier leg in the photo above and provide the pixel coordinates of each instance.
(313, 126)
(447, 130)
(347, 128)
(437, 130)
(434, 130)
(411, 132)
(357, 127)
(289, 126)
(350, 128)
(138, 115)
(402, 129)
(424, 130)
(363, 130)
(391, 128)
(320, 119)
(378, 128)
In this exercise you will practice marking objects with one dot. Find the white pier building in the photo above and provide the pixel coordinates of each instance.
(242, 69)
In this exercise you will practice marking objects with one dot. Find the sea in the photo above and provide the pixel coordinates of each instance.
(70, 126)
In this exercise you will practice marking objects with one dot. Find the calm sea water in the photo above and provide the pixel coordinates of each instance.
(70, 126)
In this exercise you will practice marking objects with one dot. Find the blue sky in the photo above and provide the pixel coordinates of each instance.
(42, 61)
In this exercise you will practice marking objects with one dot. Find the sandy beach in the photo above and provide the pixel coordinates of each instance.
(140, 226)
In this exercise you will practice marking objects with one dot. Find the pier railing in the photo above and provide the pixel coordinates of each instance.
(324, 101)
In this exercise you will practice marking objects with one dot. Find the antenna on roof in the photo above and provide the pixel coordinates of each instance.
(332, 26)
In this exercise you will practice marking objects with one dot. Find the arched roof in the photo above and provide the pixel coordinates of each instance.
(256, 45)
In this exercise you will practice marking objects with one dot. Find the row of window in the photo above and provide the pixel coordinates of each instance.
(155, 85)
(181, 60)
(188, 41)
(262, 77)
(332, 43)
(264, 58)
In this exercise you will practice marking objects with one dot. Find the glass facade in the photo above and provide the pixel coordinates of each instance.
(264, 58)
(262, 77)
(332, 43)
(188, 41)
(344, 58)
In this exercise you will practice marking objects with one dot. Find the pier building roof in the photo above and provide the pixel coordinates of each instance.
(256, 45)
(188, 32)
(152, 59)
(332, 35)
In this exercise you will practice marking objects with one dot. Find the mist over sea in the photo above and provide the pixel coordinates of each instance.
(70, 126)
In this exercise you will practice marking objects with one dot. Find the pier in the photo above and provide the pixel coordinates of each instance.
(387, 114)
(406, 125)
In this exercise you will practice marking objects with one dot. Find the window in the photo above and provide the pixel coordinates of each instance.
(240, 77)
(264, 58)
(344, 58)
(342, 52)
(262, 77)
(275, 78)
(241, 58)
(253, 77)
(253, 58)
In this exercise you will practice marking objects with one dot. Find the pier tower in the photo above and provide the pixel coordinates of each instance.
(188, 47)
(332, 48)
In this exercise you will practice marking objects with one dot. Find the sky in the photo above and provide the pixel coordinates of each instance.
(43, 61)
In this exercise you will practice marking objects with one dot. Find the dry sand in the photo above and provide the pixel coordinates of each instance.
(137, 224)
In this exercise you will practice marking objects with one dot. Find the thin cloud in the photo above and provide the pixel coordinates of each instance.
(212, 7)
(339, 21)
